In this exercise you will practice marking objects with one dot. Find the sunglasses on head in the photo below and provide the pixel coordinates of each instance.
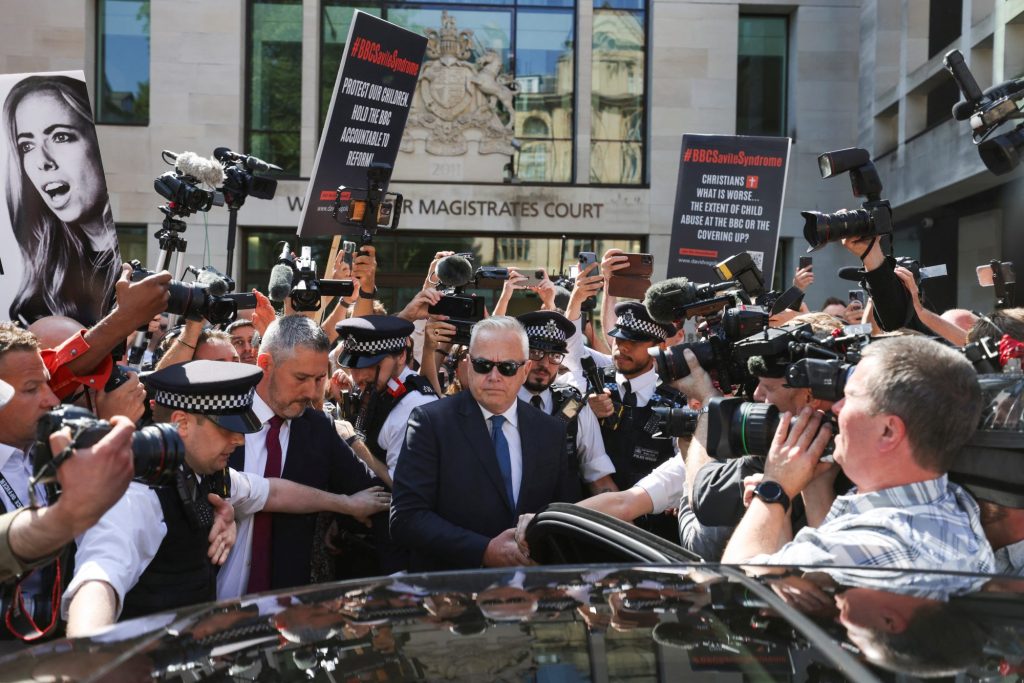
(508, 368)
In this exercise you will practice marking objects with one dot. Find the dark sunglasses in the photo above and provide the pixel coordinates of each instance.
(508, 368)
(553, 356)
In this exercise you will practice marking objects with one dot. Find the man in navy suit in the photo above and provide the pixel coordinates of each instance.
(473, 463)
(297, 442)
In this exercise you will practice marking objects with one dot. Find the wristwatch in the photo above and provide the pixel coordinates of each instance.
(771, 492)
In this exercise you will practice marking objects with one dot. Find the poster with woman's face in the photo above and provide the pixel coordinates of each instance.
(58, 245)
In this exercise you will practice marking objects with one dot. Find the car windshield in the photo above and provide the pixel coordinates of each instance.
(604, 623)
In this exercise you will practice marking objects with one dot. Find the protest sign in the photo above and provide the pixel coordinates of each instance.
(728, 200)
(369, 107)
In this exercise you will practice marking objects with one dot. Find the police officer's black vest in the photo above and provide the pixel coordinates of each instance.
(383, 407)
(180, 574)
(634, 450)
(567, 403)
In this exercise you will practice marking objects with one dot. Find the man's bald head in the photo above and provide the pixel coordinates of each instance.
(54, 330)
(960, 317)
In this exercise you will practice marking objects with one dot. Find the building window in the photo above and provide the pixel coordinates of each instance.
(131, 242)
(761, 79)
(274, 92)
(540, 34)
(944, 18)
(618, 106)
(122, 61)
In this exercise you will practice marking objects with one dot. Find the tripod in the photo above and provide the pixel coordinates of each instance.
(172, 247)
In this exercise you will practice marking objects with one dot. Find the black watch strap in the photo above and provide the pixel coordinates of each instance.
(772, 492)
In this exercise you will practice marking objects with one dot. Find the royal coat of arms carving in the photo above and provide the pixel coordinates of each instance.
(455, 96)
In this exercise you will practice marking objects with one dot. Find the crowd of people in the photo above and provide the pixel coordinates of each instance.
(359, 443)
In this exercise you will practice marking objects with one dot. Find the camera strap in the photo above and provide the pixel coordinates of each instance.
(22, 624)
(9, 490)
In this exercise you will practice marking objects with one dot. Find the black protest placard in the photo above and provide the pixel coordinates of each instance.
(728, 200)
(371, 100)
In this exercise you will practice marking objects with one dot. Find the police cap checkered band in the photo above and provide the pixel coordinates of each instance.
(211, 404)
(629, 321)
(374, 347)
(549, 332)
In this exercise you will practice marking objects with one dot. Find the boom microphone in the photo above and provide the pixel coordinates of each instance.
(204, 170)
(251, 163)
(281, 276)
(454, 271)
(664, 300)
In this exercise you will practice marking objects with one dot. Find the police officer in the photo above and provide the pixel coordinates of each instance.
(548, 333)
(158, 547)
(632, 389)
(375, 354)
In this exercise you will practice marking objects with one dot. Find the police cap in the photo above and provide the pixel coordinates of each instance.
(634, 323)
(369, 339)
(218, 390)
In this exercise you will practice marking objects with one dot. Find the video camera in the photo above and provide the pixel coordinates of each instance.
(872, 219)
(182, 195)
(454, 273)
(197, 301)
(307, 289)
(986, 111)
(239, 178)
(737, 427)
(370, 208)
(157, 450)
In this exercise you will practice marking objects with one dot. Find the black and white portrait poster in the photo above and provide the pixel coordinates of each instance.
(58, 245)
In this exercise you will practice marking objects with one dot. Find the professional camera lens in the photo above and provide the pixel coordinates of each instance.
(753, 428)
(1002, 154)
(676, 421)
(158, 453)
(822, 228)
(671, 364)
(220, 310)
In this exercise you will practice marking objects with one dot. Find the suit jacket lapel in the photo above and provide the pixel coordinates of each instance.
(478, 435)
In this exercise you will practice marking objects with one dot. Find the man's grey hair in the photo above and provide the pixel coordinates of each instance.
(933, 389)
(285, 334)
(500, 326)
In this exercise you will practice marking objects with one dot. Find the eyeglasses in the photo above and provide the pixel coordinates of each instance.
(508, 368)
(553, 356)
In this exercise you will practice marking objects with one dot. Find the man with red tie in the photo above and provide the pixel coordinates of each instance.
(296, 442)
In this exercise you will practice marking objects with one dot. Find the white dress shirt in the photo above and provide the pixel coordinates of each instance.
(16, 467)
(576, 349)
(594, 460)
(392, 433)
(643, 386)
(233, 577)
(664, 484)
(515, 445)
(121, 545)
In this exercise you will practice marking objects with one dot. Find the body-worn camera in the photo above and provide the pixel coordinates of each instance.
(737, 427)
(872, 219)
(157, 450)
(193, 300)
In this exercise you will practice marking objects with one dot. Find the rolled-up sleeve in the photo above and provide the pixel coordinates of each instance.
(120, 546)
(249, 493)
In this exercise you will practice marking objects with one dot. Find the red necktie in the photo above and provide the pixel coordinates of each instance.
(259, 568)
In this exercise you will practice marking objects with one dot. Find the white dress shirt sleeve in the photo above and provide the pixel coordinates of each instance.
(392, 433)
(665, 483)
(249, 493)
(120, 546)
(594, 460)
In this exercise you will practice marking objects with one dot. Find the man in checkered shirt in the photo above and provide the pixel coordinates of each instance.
(909, 407)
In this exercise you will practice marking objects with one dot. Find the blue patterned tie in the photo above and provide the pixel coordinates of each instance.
(504, 457)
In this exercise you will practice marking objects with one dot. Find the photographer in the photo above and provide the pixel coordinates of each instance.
(91, 479)
(904, 512)
(196, 341)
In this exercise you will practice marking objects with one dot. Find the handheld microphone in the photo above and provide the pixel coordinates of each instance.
(664, 300)
(204, 170)
(251, 163)
(281, 276)
(454, 271)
